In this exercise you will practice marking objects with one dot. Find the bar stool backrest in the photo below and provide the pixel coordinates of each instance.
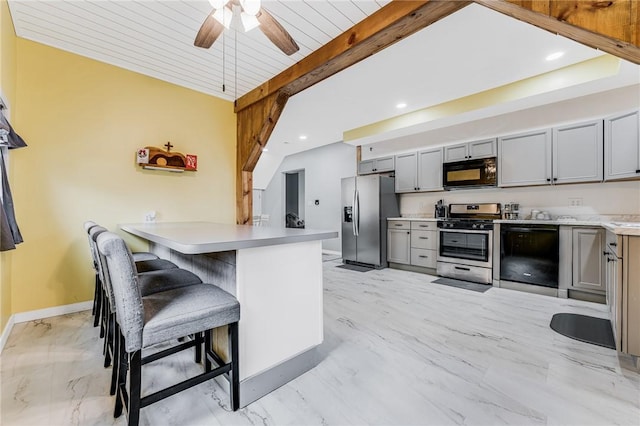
(126, 293)
(102, 264)
(87, 227)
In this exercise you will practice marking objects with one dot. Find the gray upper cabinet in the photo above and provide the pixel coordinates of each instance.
(419, 171)
(567, 154)
(430, 170)
(577, 153)
(376, 165)
(470, 150)
(407, 172)
(622, 146)
(525, 159)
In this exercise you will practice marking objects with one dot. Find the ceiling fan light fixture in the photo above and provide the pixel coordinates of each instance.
(252, 7)
(224, 15)
(248, 22)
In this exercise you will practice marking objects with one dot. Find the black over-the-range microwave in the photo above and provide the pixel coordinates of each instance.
(470, 174)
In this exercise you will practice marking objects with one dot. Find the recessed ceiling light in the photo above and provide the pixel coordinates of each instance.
(303, 137)
(265, 149)
(554, 56)
(401, 105)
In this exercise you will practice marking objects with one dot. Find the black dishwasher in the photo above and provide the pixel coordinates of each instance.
(529, 254)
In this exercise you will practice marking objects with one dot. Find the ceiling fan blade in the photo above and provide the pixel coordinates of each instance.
(276, 33)
(209, 32)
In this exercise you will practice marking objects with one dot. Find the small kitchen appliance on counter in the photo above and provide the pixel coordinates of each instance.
(465, 249)
(511, 211)
(441, 210)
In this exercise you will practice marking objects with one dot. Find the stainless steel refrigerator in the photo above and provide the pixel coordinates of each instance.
(367, 202)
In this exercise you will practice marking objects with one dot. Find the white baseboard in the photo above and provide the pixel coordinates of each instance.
(53, 312)
(336, 253)
(6, 332)
(40, 314)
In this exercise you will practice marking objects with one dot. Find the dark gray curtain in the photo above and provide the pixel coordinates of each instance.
(9, 231)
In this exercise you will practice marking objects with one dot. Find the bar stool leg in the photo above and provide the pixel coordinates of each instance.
(123, 366)
(97, 302)
(135, 382)
(116, 357)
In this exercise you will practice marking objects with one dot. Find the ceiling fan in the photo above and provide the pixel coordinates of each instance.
(244, 14)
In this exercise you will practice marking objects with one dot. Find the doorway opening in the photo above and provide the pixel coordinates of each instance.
(294, 199)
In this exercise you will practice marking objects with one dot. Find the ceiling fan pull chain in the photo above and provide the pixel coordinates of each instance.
(224, 56)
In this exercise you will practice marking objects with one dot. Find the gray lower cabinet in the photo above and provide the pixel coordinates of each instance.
(623, 291)
(412, 243)
(424, 236)
(399, 241)
(588, 263)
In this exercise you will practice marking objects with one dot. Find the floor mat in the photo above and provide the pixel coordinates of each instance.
(481, 288)
(357, 268)
(596, 331)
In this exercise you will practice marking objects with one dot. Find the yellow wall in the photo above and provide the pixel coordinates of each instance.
(83, 121)
(8, 90)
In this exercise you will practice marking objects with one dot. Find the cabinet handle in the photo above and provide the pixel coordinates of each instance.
(613, 244)
(423, 238)
(424, 257)
(462, 269)
(548, 179)
(408, 232)
(397, 224)
(555, 179)
(454, 241)
(609, 259)
(637, 171)
(604, 253)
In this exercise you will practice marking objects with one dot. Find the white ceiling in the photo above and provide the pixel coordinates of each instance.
(473, 50)
(155, 37)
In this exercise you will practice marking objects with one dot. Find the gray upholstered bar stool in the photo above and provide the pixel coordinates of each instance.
(165, 317)
(150, 282)
(146, 265)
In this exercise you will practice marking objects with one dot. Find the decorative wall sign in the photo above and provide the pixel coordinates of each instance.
(153, 158)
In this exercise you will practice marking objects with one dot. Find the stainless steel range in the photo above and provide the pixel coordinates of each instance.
(465, 250)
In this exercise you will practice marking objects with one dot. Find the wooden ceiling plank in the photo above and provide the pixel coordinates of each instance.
(396, 16)
(609, 18)
(587, 36)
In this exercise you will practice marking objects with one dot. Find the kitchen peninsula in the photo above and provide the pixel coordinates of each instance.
(276, 275)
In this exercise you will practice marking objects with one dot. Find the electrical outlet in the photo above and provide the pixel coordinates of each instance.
(575, 202)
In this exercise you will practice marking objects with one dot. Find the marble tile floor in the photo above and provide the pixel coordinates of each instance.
(397, 351)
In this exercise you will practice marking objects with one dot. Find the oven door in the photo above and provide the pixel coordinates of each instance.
(467, 247)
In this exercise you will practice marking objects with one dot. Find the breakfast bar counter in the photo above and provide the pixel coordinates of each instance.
(276, 275)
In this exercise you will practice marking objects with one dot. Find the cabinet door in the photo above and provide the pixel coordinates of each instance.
(398, 246)
(366, 167)
(622, 146)
(577, 153)
(525, 159)
(385, 164)
(455, 153)
(588, 262)
(631, 297)
(429, 170)
(406, 172)
(482, 149)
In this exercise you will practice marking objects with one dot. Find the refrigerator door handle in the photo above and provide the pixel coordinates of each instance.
(356, 218)
(355, 214)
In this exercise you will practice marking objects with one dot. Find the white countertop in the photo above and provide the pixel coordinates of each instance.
(620, 228)
(209, 237)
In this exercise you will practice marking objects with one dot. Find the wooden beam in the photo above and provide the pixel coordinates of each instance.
(391, 23)
(254, 126)
(611, 26)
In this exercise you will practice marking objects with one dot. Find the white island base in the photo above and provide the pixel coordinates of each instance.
(279, 287)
